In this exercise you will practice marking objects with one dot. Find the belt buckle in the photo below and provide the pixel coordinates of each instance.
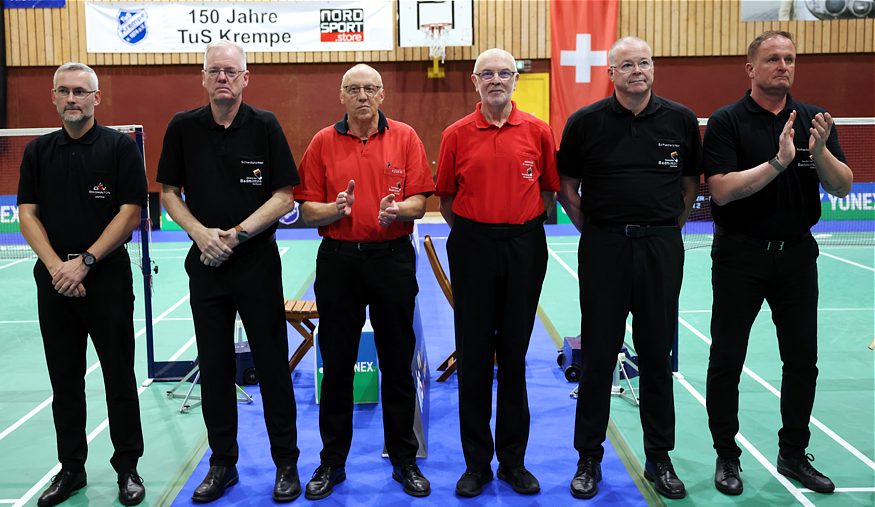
(358, 246)
(778, 246)
(70, 257)
(631, 230)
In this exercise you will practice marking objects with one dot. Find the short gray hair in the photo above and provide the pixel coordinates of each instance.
(491, 52)
(222, 44)
(612, 53)
(73, 67)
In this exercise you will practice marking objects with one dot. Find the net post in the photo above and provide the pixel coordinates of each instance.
(146, 267)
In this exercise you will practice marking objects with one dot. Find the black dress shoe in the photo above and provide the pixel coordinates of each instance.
(63, 485)
(471, 482)
(727, 477)
(409, 475)
(664, 479)
(287, 486)
(521, 480)
(800, 469)
(323, 481)
(585, 483)
(214, 484)
(130, 488)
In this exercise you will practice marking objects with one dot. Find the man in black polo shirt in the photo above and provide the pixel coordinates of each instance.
(79, 196)
(629, 168)
(764, 157)
(237, 171)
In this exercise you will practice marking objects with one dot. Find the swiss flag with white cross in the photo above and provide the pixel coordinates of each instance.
(581, 34)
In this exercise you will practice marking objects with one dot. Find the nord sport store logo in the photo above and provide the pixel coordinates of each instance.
(132, 25)
(342, 25)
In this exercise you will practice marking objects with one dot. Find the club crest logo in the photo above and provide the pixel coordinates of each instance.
(290, 217)
(99, 191)
(132, 25)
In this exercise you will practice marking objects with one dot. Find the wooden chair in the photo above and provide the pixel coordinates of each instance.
(298, 314)
(449, 365)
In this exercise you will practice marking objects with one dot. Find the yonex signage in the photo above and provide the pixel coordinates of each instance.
(327, 25)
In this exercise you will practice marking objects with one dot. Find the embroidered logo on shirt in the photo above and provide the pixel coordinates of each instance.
(99, 191)
(528, 171)
(254, 180)
(672, 159)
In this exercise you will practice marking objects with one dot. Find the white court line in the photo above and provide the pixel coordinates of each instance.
(19, 261)
(182, 349)
(848, 490)
(93, 367)
(36, 488)
(846, 261)
(562, 263)
(752, 450)
(830, 433)
(7, 500)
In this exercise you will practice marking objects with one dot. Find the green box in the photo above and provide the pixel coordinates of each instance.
(366, 382)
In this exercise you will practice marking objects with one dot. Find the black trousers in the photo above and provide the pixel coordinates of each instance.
(619, 275)
(249, 283)
(106, 314)
(742, 276)
(497, 273)
(347, 281)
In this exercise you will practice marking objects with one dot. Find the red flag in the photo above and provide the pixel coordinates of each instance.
(582, 32)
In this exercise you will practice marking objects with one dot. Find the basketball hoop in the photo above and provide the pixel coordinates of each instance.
(437, 35)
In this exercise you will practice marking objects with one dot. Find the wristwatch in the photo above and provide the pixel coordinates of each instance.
(88, 258)
(777, 165)
(241, 234)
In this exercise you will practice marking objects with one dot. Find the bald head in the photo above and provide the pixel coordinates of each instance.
(361, 72)
(495, 54)
(631, 42)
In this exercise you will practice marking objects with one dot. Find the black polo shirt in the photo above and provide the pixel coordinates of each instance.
(226, 174)
(80, 184)
(744, 135)
(630, 166)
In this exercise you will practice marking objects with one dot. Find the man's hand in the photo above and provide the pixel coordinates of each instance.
(388, 211)
(213, 244)
(345, 199)
(786, 148)
(821, 126)
(67, 277)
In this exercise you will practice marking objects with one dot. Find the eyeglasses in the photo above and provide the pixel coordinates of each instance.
(369, 90)
(488, 75)
(79, 93)
(230, 73)
(627, 67)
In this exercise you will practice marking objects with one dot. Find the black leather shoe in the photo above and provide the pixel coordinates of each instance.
(409, 475)
(323, 481)
(214, 484)
(521, 480)
(287, 486)
(800, 469)
(664, 479)
(585, 483)
(130, 488)
(471, 483)
(727, 477)
(63, 485)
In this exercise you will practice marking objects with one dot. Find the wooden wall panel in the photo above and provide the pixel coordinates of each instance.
(50, 37)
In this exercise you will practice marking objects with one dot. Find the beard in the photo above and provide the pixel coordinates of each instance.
(75, 116)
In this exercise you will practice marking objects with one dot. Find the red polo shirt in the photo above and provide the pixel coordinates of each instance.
(392, 161)
(497, 174)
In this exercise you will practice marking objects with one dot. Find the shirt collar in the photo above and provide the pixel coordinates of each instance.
(652, 106)
(515, 117)
(88, 138)
(206, 115)
(342, 126)
(751, 105)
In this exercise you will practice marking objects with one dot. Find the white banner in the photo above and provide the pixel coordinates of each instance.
(294, 26)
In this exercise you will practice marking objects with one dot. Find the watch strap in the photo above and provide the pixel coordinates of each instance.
(777, 165)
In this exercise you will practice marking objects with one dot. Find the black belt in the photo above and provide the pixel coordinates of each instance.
(353, 246)
(769, 245)
(663, 228)
(501, 231)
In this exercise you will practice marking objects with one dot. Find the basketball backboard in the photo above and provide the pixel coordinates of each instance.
(413, 14)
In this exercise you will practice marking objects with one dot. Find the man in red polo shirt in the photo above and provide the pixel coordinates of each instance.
(496, 179)
(364, 180)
